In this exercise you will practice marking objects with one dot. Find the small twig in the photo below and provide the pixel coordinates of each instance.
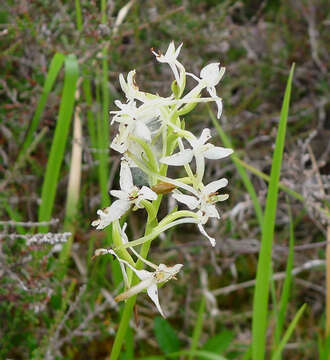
(29, 223)
(278, 276)
(49, 238)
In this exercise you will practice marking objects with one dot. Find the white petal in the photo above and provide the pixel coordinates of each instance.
(134, 290)
(219, 106)
(205, 136)
(217, 152)
(223, 197)
(123, 271)
(188, 200)
(111, 213)
(147, 193)
(177, 51)
(202, 230)
(141, 274)
(178, 159)
(153, 294)
(142, 131)
(211, 74)
(131, 80)
(214, 186)
(119, 144)
(217, 100)
(123, 195)
(123, 83)
(126, 179)
(170, 50)
(211, 211)
(122, 266)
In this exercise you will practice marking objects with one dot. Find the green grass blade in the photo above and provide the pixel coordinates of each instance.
(286, 337)
(244, 175)
(247, 355)
(128, 354)
(202, 354)
(260, 301)
(15, 216)
(86, 85)
(73, 190)
(102, 138)
(284, 300)
(60, 138)
(198, 328)
(79, 22)
(54, 69)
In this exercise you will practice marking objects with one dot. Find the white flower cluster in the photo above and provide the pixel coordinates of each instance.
(151, 128)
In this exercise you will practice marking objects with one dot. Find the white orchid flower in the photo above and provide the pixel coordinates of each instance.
(149, 280)
(210, 76)
(128, 195)
(208, 196)
(130, 87)
(130, 124)
(200, 150)
(199, 147)
(170, 58)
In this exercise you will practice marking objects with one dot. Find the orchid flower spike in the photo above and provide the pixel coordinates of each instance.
(149, 280)
(128, 195)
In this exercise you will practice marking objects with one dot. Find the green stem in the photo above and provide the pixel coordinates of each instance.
(121, 332)
(157, 231)
(129, 305)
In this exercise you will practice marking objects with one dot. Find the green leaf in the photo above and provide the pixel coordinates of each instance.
(198, 327)
(261, 294)
(53, 71)
(205, 355)
(166, 336)
(128, 354)
(286, 286)
(288, 333)
(219, 343)
(59, 141)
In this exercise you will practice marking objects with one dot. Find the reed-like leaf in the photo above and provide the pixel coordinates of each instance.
(284, 300)
(53, 71)
(198, 328)
(286, 337)
(261, 293)
(59, 141)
